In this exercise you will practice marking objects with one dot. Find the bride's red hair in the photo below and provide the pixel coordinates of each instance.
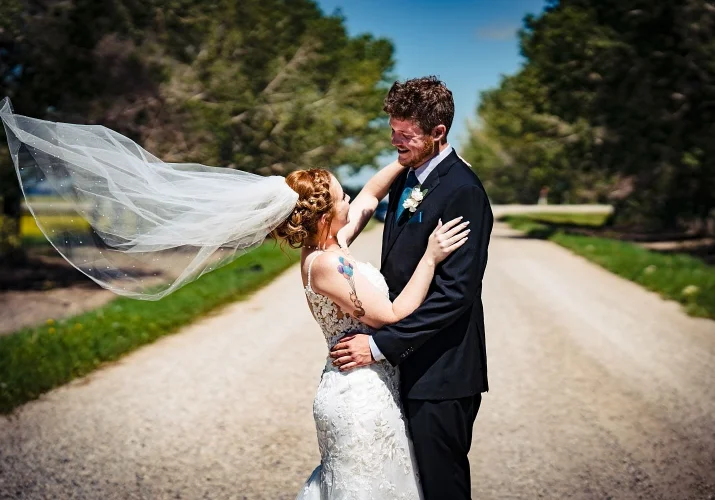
(314, 200)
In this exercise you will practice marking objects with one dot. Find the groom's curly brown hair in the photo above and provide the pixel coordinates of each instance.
(425, 100)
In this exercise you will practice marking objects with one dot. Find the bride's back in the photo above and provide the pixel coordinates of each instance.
(332, 320)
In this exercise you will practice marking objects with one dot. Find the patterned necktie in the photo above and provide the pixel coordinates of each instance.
(409, 185)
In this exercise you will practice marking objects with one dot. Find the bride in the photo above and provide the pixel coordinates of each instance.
(364, 447)
(195, 218)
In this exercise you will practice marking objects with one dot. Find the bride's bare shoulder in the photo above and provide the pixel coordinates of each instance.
(331, 266)
(325, 262)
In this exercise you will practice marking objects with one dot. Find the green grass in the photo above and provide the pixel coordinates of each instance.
(31, 236)
(677, 277)
(72, 223)
(35, 360)
(531, 227)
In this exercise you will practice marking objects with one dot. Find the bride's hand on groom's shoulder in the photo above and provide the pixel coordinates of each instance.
(352, 351)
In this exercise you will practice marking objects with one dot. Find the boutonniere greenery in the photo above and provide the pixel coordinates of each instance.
(414, 199)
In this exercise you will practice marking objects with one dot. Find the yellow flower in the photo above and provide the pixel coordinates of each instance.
(77, 326)
(50, 322)
(690, 291)
(650, 269)
(51, 331)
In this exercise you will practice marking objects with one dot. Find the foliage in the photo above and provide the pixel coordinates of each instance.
(29, 228)
(613, 93)
(520, 147)
(35, 360)
(266, 86)
(277, 87)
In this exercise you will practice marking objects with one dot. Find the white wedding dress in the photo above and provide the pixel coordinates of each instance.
(362, 434)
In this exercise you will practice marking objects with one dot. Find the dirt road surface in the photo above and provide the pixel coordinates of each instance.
(599, 389)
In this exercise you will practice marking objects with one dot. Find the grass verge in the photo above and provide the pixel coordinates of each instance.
(678, 277)
(35, 360)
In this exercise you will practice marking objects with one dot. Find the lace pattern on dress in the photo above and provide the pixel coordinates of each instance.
(333, 322)
(362, 433)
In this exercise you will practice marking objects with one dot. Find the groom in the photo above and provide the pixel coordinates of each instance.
(440, 348)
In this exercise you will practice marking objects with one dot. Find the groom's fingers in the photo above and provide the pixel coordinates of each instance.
(343, 344)
(342, 360)
(340, 347)
(339, 353)
(348, 366)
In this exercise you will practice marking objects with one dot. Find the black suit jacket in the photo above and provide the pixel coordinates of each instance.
(441, 346)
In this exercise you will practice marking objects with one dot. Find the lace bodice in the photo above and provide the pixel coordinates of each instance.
(331, 319)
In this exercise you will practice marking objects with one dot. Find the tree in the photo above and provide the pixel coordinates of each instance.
(519, 147)
(316, 99)
(261, 85)
(651, 94)
(614, 92)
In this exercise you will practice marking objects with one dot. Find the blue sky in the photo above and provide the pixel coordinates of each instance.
(467, 44)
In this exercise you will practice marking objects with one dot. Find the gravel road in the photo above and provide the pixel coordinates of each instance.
(599, 389)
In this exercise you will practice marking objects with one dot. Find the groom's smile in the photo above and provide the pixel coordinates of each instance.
(403, 153)
(414, 147)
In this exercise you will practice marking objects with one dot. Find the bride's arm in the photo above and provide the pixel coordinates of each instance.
(365, 203)
(335, 276)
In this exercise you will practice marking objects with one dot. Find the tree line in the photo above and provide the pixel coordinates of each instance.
(266, 86)
(615, 103)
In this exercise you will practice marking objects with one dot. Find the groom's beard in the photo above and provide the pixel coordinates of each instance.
(423, 155)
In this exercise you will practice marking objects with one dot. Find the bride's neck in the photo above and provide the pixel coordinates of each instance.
(322, 246)
(325, 243)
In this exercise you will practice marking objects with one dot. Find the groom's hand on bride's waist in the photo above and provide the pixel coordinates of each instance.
(352, 351)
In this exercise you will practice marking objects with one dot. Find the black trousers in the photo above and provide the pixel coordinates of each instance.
(442, 435)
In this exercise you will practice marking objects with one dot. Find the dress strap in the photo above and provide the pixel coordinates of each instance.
(314, 256)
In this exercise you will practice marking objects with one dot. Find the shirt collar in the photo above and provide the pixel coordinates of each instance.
(423, 171)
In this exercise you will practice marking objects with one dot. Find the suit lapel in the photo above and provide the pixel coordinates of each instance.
(430, 184)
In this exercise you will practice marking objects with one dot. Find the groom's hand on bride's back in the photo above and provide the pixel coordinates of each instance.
(352, 351)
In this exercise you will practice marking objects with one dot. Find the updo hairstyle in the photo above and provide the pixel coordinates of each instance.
(314, 200)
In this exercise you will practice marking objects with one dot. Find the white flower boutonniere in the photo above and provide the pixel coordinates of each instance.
(414, 200)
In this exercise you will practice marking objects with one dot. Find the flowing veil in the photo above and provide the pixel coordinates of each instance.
(150, 226)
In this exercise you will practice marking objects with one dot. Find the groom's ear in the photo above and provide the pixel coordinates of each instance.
(439, 133)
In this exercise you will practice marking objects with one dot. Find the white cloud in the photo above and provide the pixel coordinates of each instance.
(497, 32)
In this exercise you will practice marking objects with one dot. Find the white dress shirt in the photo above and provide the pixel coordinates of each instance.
(422, 172)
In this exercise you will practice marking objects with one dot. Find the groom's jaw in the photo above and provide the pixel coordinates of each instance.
(405, 157)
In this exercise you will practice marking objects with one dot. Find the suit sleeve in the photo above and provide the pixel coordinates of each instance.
(456, 281)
